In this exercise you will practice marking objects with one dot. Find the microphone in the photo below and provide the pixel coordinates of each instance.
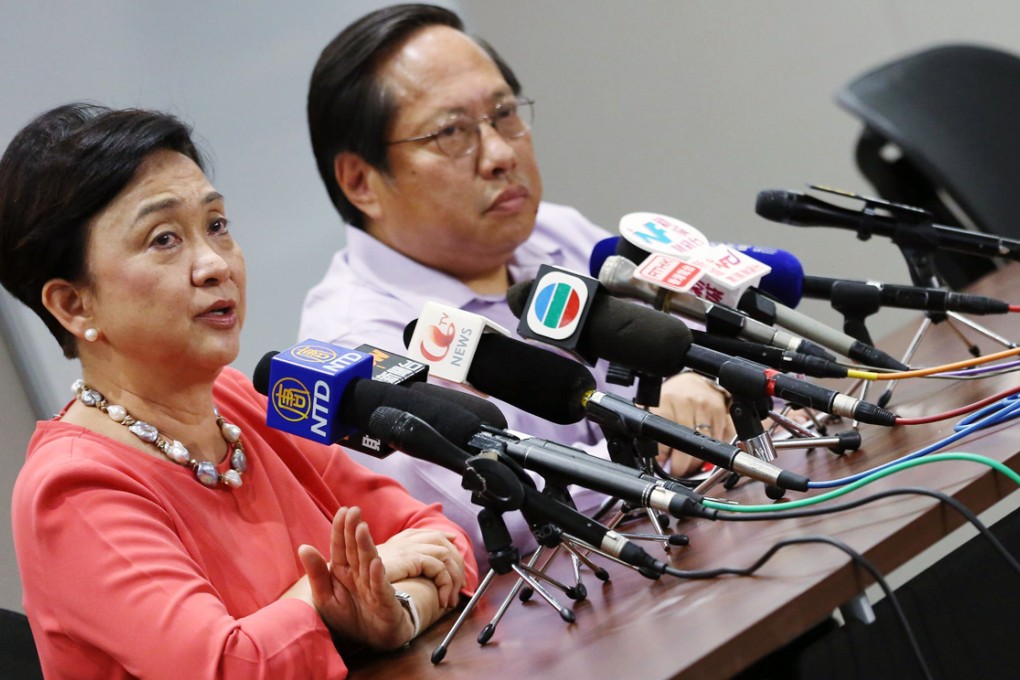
(322, 392)
(618, 277)
(767, 311)
(801, 210)
(414, 436)
(488, 412)
(567, 466)
(773, 357)
(904, 297)
(509, 372)
(649, 334)
(510, 369)
(783, 282)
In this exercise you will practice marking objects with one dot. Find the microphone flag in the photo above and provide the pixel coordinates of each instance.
(306, 383)
(557, 308)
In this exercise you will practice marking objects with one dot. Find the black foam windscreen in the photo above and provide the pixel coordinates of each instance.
(362, 397)
(517, 296)
(533, 379)
(260, 376)
(621, 332)
(488, 412)
(639, 337)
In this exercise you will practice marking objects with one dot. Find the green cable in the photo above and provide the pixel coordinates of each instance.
(804, 502)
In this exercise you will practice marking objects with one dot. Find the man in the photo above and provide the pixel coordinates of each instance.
(422, 139)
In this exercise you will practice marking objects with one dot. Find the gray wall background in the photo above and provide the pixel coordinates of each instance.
(687, 108)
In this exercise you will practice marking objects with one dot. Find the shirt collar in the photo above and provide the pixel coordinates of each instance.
(415, 283)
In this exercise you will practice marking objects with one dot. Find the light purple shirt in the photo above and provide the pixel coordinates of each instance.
(371, 292)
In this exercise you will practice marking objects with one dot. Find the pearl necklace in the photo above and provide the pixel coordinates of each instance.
(205, 471)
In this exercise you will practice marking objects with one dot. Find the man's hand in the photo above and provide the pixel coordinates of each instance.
(690, 400)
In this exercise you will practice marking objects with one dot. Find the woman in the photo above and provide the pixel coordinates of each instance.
(162, 529)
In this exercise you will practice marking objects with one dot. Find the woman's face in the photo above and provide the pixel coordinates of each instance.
(166, 279)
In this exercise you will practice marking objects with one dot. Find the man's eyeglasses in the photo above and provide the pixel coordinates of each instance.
(461, 136)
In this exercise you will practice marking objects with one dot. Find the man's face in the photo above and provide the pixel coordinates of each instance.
(466, 215)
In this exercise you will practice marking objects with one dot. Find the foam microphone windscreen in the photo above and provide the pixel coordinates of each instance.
(533, 379)
(483, 408)
(363, 397)
(260, 376)
(620, 332)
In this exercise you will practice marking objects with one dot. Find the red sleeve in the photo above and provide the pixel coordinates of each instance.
(386, 506)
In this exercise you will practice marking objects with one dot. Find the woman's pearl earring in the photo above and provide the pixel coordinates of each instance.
(91, 334)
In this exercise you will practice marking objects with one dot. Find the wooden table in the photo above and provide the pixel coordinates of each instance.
(633, 627)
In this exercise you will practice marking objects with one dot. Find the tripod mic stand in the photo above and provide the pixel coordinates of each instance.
(920, 264)
(499, 484)
(498, 489)
(746, 413)
(637, 452)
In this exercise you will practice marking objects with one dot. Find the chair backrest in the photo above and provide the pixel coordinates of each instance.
(953, 111)
(19, 659)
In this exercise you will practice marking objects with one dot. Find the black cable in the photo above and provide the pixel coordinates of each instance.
(849, 505)
(854, 555)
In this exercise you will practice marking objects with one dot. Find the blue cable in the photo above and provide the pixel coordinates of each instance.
(993, 414)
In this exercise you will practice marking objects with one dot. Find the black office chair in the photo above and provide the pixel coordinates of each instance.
(18, 657)
(953, 114)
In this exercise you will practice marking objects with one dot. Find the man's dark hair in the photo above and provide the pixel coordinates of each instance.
(349, 110)
(57, 174)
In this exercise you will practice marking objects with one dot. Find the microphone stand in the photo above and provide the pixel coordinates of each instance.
(498, 489)
(920, 264)
(497, 484)
(637, 453)
(745, 411)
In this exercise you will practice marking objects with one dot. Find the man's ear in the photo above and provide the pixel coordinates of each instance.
(357, 179)
(69, 304)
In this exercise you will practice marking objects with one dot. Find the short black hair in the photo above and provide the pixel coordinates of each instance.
(349, 109)
(56, 175)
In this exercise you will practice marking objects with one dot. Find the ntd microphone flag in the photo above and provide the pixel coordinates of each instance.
(557, 308)
(306, 384)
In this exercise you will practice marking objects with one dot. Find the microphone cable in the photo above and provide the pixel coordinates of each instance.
(962, 410)
(995, 414)
(933, 370)
(768, 513)
(855, 556)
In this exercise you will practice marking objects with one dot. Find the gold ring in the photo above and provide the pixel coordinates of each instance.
(703, 426)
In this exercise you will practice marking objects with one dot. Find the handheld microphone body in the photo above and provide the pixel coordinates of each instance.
(322, 392)
(508, 369)
(617, 276)
(624, 416)
(742, 376)
(904, 297)
(801, 210)
(417, 438)
(767, 311)
(782, 360)
(569, 466)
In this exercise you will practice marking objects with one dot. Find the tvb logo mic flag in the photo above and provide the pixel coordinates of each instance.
(557, 308)
(306, 384)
